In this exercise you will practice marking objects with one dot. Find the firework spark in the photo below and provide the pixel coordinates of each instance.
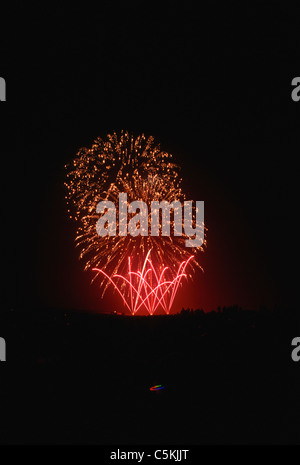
(139, 168)
(147, 288)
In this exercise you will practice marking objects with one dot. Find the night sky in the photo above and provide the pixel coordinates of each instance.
(213, 89)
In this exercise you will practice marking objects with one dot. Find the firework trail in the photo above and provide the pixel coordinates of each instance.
(147, 288)
(139, 168)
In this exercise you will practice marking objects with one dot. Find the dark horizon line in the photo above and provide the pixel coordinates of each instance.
(235, 308)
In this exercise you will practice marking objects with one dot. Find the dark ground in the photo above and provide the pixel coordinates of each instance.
(79, 378)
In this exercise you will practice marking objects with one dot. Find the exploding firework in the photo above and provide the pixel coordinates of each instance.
(139, 168)
(148, 288)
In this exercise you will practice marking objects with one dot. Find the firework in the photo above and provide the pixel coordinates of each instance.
(139, 168)
(147, 288)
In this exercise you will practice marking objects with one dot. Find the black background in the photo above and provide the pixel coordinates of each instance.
(213, 85)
